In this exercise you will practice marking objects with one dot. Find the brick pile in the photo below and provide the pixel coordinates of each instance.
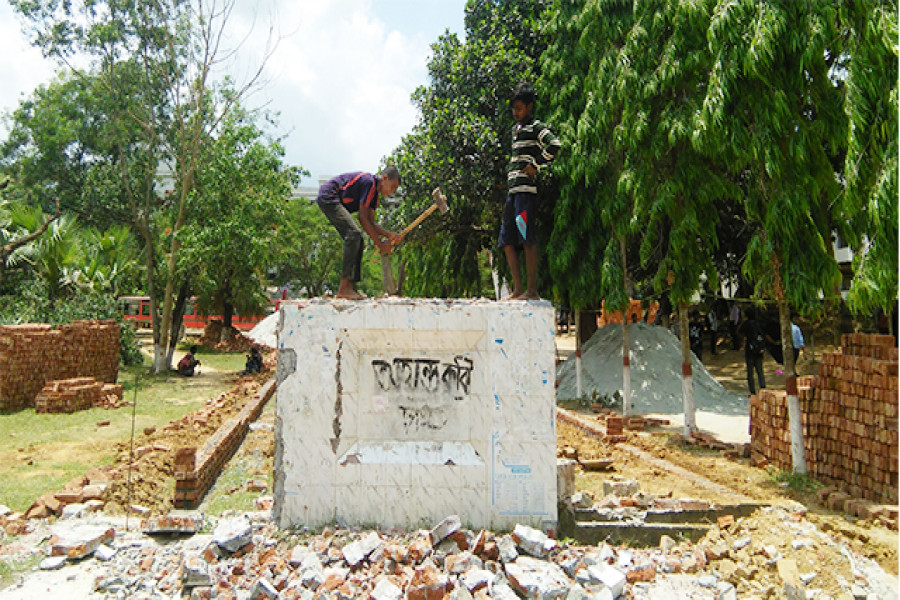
(197, 469)
(33, 354)
(849, 415)
(77, 393)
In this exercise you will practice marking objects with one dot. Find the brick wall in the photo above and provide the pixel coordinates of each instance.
(196, 469)
(78, 393)
(849, 420)
(33, 354)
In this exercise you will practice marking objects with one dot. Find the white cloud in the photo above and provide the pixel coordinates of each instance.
(340, 77)
(22, 68)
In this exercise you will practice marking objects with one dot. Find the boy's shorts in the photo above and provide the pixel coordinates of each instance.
(520, 204)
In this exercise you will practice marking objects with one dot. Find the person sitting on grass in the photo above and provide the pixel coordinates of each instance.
(254, 361)
(188, 363)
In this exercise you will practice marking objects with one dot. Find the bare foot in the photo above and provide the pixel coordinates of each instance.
(353, 295)
(529, 296)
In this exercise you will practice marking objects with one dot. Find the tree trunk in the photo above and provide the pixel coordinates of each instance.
(227, 332)
(578, 353)
(687, 374)
(175, 332)
(588, 325)
(626, 353)
(795, 419)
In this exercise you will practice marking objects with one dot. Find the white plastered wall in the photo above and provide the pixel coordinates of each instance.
(398, 413)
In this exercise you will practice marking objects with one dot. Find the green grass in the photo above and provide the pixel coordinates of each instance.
(796, 482)
(11, 569)
(40, 452)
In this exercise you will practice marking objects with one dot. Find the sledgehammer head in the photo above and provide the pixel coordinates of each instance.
(440, 200)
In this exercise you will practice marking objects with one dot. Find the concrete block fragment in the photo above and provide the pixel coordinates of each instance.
(195, 571)
(419, 549)
(577, 592)
(52, 563)
(444, 529)
(263, 590)
(385, 589)
(428, 583)
(539, 579)
(357, 551)
(476, 579)
(508, 551)
(74, 511)
(76, 540)
(462, 562)
(609, 576)
(186, 524)
(532, 541)
(5, 510)
(582, 500)
(620, 487)
(233, 534)
(104, 553)
(503, 592)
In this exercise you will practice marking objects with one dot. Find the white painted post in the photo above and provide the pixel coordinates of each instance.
(798, 455)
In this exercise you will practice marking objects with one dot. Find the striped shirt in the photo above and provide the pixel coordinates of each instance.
(532, 143)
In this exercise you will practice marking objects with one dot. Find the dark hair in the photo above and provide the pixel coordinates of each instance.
(525, 93)
(392, 173)
(193, 349)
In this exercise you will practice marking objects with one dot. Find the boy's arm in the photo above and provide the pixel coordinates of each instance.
(549, 145)
(375, 231)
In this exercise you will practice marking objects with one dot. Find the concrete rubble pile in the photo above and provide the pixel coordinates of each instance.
(247, 557)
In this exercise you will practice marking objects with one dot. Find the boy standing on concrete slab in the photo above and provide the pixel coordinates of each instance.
(533, 146)
(358, 192)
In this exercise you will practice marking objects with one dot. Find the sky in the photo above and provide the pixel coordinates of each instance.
(340, 77)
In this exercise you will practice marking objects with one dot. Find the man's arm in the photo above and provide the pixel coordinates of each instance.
(375, 231)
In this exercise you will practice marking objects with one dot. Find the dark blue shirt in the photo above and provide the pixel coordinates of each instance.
(352, 190)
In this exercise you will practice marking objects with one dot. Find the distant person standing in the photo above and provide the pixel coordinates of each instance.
(734, 319)
(796, 341)
(358, 192)
(754, 349)
(713, 322)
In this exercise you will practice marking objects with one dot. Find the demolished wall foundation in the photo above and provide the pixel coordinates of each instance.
(396, 413)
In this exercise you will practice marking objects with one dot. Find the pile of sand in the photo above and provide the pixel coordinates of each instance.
(265, 332)
(655, 373)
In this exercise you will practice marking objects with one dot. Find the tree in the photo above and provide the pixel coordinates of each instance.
(774, 114)
(154, 61)
(870, 167)
(239, 193)
(593, 217)
(676, 189)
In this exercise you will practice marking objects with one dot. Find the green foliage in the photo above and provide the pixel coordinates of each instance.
(773, 114)
(871, 163)
(593, 211)
(236, 206)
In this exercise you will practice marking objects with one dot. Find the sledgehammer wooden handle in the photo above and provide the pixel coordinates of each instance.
(439, 202)
(418, 220)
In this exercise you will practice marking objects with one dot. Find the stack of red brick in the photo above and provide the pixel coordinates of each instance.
(849, 416)
(78, 393)
(197, 469)
(31, 355)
